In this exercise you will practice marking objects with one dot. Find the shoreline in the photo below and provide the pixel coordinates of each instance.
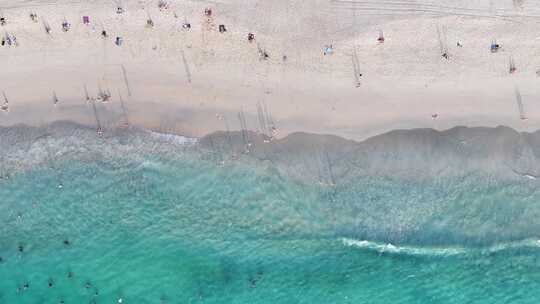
(405, 80)
(193, 123)
(169, 131)
(166, 131)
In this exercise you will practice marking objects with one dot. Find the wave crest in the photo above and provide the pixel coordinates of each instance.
(439, 251)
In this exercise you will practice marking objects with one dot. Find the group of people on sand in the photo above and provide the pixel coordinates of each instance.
(11, 40)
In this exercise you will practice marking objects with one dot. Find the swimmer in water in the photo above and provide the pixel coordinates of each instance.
(21, 248)
(26, 285)
(70, 274)
(51, 283)
(67, 243)
(87, 285)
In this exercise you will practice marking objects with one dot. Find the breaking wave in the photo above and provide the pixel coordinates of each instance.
(271, 191)
(388, 248)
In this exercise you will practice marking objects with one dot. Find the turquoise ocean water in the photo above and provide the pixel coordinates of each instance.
(185, 230)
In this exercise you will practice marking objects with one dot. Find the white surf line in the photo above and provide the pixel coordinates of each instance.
(409, 250)
(525, 174)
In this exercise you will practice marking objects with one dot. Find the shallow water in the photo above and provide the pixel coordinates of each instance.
(186, 230)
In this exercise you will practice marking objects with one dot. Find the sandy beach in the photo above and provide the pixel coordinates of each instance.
(196, 81)
(269, 151)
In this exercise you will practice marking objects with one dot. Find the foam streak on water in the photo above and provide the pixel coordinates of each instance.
(441, 251)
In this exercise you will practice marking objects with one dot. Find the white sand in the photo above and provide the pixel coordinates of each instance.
(405, 80)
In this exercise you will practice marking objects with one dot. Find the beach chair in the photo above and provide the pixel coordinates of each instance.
(65, 26)
(494, 47)
(163, 5)
(381, 37)
(511, 66)
(328, 50)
